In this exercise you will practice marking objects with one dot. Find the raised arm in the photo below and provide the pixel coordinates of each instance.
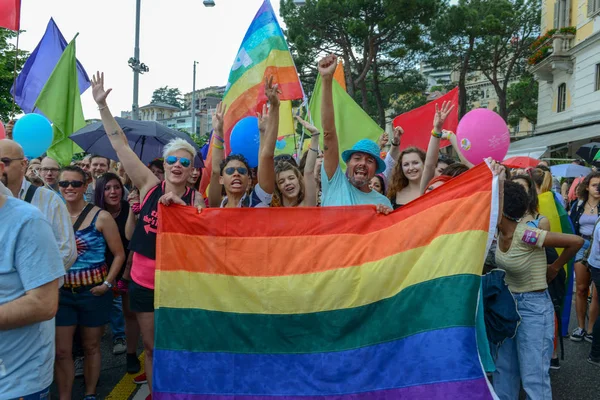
(268, 139)
(395, 144)
(331, 151)
(140, 175)
(218, 155)
(454, 141)
(433, 149)
(310, 182)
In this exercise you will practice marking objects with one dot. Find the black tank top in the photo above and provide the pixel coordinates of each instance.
(143, 240)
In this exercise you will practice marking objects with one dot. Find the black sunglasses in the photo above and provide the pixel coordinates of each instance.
(75, 184)
(7, 160)
(241, 170)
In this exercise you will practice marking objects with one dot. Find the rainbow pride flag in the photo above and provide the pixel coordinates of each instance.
(264, 52)
(324, 303)
(560, 222)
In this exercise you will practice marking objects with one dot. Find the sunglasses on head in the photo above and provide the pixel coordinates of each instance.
(185, 162)
(66, 184)
(240, 170)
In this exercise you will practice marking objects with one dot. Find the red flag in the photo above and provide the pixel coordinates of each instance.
(10, 14)
(417, 124)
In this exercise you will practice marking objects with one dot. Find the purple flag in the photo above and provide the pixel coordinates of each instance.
(39, 67)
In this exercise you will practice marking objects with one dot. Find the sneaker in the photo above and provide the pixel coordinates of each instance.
(554, 363)
(78, 367)
(140, 379)
(594, 361)
(589, 337)
(578, 334)
(89, 397)
(119, 346)
(133, 364)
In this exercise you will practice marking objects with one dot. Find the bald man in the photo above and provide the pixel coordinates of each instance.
(47, 201)
(49, 170)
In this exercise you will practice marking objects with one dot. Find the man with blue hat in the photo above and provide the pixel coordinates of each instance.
(362, 160)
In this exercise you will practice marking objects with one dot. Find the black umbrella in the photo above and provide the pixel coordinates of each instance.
(588, 151)
(146, 138)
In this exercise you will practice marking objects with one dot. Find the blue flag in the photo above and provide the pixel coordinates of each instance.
(39, 67)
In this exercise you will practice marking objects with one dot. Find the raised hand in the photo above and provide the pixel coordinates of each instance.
(307, 125)
(384, 139)
(398, 132)
(272, 91)
(441, 114)
(263, 119)
(327, 65)
(218, 117)
(98, 91)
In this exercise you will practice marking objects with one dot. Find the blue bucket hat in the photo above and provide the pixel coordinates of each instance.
(368, 147)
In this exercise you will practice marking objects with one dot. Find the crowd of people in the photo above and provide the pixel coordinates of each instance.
(81, 255)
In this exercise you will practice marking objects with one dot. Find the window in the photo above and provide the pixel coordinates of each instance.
(593, 7)
(597, 77)
(562, 97)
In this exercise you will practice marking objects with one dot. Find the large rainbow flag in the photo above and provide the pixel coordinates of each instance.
(560, 222)
(264, 52)
(324, 303)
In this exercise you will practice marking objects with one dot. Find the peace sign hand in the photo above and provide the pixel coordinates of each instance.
(218, 116)
(441, 115)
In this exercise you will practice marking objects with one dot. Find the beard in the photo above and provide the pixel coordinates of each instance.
(358, 183)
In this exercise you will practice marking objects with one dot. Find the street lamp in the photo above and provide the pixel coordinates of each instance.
(193, 108)
(137, 66)
(209, 3)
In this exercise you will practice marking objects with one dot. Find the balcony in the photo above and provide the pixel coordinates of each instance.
(553, 57)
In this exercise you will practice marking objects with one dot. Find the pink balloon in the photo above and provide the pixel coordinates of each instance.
(2, 131)
(482, 133)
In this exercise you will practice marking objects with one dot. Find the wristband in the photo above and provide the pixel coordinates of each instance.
(216, 146)
(102, 108)
(108, 284)
(395, 144)
(219, 138)
(315, 134)
(315, 150)
(436, 134)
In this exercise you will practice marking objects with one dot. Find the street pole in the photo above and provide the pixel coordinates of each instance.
(193, 108)
(135, 111)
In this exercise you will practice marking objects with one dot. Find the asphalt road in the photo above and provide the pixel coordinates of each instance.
(575, 380)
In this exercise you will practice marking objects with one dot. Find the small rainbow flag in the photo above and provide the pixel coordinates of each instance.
(560, 222)
(330, 303)
(264, 52)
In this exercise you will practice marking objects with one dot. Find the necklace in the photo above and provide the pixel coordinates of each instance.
(592, 208)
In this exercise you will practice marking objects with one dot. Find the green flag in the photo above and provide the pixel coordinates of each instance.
(60, 101)
(351, 121)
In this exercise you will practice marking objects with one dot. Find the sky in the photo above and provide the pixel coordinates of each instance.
(173, 33)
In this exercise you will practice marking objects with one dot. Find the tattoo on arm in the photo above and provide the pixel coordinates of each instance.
(325, 148)
(115, 133)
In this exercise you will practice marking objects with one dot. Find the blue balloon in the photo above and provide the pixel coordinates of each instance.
(34, 133)
(280, 145)
(245, 140)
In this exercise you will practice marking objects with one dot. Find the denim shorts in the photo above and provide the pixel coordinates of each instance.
(80, 307)
(582, 250)
(141, 299)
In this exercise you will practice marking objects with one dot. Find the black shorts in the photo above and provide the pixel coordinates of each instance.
(141, 299)
(79, 307)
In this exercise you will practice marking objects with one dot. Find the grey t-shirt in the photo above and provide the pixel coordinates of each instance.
(29, 258)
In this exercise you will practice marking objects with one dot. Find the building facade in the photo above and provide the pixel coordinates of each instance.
(157, 111)
(567, 66)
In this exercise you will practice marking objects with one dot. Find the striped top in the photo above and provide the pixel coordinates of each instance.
(54, 209)
(90, 267)
(525, 261)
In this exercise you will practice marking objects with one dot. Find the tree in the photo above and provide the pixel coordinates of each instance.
(522, 99)
(372, 37)
(501, 56)
(171, 96)
(7, 69)
(489, 36)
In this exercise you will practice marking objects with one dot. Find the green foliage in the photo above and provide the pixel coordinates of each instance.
(374, 39)
(523, 100)
(171, 96)
(492, 37)
(7, 67)
(214, 94)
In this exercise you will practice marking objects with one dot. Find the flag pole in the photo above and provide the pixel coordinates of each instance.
(14, 108)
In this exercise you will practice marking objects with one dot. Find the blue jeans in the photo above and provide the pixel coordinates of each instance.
(42, 395)
(526, 357)
(595, 353)
(117, 321)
